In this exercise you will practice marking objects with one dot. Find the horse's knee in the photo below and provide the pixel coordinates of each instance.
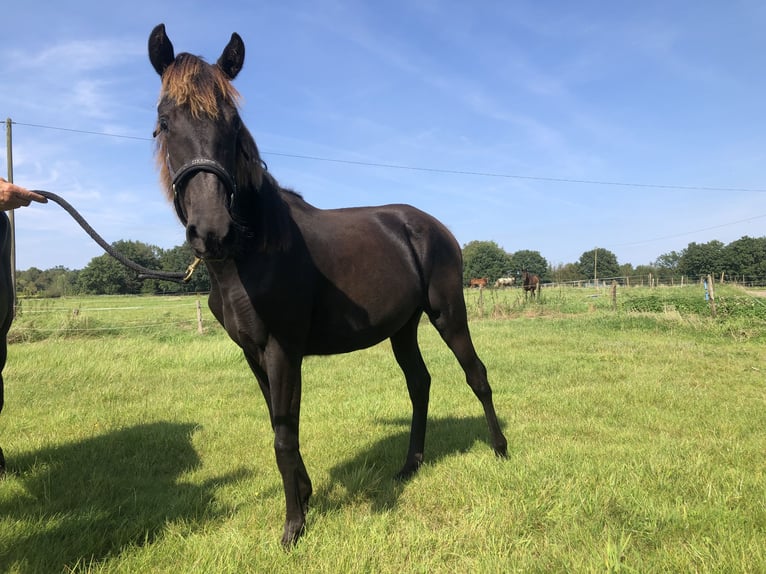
(285, 438)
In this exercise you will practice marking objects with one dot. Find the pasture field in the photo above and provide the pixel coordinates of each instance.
(636, 443)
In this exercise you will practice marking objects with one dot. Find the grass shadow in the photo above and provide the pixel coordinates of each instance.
(85, 502)
(370, 475)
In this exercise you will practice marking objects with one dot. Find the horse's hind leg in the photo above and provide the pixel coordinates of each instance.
(453, 327)
(407, 353)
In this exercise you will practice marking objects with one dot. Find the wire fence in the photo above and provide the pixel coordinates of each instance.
(659, 281)
(95, 316)
(38, 319)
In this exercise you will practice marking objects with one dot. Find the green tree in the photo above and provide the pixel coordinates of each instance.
(27, 282)
(532, 261)
(667, 264)
(599, 263)
(700, 259)
(63, 282)
(640, 275)
(746, 258)
(566, 273)
(484, 259)
(178, 259)
(104, 275)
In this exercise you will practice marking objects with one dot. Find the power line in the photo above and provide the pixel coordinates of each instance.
(690, 232)
(123, 136)
(516, 176)
(443, 170)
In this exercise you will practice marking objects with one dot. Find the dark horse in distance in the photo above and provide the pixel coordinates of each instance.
(530, 282)
(290, 280)
(6, 304)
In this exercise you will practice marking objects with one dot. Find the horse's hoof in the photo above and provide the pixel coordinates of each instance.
(292, 533)
(501, 449)
(409, 469)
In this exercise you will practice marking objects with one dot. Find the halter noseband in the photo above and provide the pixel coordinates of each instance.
(181, 177)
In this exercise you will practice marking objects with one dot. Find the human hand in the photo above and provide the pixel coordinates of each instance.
(13, 196)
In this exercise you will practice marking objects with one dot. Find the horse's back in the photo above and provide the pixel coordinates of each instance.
(384, 243)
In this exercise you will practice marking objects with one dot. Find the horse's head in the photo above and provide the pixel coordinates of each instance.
(202, 144)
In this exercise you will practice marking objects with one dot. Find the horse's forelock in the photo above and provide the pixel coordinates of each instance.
(190, 81)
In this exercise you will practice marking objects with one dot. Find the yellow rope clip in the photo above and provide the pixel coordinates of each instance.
(190, 269)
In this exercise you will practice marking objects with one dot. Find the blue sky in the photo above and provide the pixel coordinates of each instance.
(503, 108)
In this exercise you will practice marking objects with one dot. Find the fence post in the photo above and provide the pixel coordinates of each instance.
(614, 295)
(710, 293)
(199, 318)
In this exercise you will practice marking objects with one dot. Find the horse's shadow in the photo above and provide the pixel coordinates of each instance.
(87, 501)
(370, 475)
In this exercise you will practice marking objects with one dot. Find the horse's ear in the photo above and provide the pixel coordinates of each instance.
(233, 57)
(160, 49)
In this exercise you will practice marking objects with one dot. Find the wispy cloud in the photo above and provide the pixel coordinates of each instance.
(72, 56)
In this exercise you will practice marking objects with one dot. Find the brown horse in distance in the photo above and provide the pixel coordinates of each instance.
(530, 282)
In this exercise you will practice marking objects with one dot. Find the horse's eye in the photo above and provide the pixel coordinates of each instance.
(162, 126)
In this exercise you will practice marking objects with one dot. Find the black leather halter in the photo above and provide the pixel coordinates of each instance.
(181, 177)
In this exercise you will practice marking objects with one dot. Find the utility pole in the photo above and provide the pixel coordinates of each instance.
(11, 218)
(595, 266)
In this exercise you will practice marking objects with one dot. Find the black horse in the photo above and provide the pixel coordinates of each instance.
(290, 280)
(530, 282)
(6, 304)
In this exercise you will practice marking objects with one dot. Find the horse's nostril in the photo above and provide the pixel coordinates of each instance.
(193, 238)
(204, 242)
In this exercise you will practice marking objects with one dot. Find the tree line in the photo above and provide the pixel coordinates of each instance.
(743, 260)
(104, 275)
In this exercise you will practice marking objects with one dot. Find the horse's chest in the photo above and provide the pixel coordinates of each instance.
(235, 311)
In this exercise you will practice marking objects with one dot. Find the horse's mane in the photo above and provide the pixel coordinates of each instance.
(205, 89)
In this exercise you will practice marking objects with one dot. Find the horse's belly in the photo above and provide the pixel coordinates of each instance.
(340, 326)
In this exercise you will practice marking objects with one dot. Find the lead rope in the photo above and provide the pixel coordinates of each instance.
(143, 272)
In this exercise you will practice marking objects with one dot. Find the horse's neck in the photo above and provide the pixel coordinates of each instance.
(271, 223)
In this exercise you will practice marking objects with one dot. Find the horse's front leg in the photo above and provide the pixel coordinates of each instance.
(284, 373)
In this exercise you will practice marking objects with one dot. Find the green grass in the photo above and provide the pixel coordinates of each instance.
(636, 443)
